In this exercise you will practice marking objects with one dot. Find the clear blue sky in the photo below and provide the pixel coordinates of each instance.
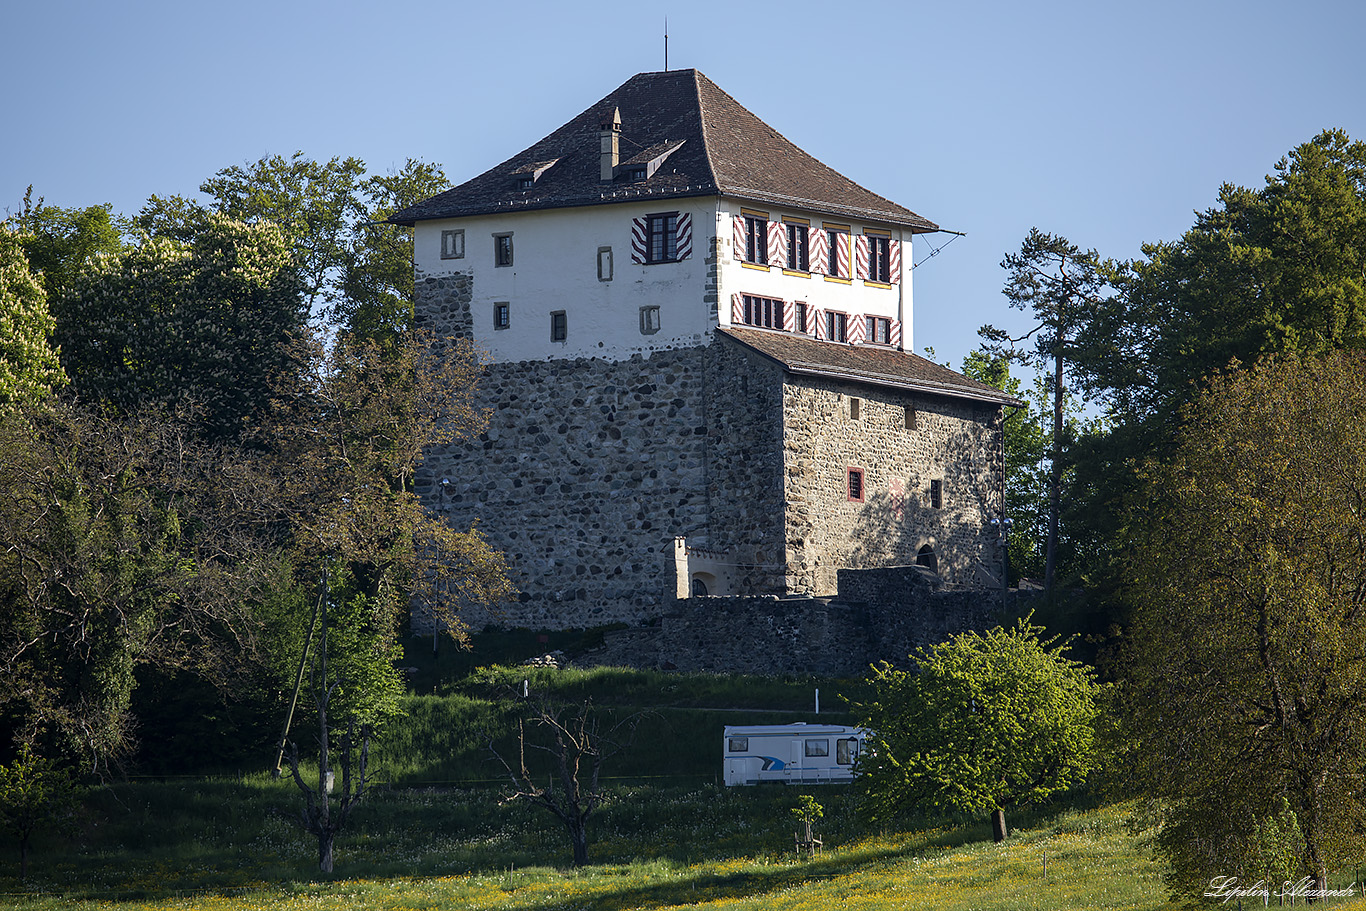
(1109, 123)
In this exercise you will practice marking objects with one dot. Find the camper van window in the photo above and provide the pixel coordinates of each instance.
(818, 748)
(845, 751)
(739, 744)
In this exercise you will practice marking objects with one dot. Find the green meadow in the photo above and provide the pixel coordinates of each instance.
(434, 832)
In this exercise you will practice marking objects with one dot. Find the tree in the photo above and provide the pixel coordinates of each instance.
(29, 368)
(577, 738)
(123, 543)
(34, 792)
(984, 722)
(61, 244)
(1277, 269)
(1063, 287)
(1245, 663)
(172, 324)
(377, 280)
(314, 203)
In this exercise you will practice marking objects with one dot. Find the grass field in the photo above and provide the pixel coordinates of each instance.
(672, 837)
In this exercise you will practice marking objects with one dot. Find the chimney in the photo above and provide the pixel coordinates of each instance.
(609, 134)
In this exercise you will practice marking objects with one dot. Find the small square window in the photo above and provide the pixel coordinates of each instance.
(853, 408)
(738, 744)
(855, 484)
(502, 249)
(649, 320)
(525, 182)
(604, 264)
(879, 330)
(937, 494)
(559, 326)
(453, 244)
(836, 326)
(910, 417)
(502, 315)
(818, 748)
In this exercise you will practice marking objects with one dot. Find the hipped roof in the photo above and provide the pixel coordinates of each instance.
(725, 151)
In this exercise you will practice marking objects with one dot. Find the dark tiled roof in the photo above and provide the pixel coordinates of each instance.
(726, 151)
(871, 364)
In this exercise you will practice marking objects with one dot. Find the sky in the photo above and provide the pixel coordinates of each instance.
(1110, 124)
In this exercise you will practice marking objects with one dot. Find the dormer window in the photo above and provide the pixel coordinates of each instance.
(525, 182)
(635, 173)
(525, 177)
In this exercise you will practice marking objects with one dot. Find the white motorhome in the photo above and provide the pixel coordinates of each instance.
(798, 753)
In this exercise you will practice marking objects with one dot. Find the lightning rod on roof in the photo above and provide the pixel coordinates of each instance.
(666, 44)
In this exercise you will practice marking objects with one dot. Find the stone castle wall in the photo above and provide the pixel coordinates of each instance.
(882, 614)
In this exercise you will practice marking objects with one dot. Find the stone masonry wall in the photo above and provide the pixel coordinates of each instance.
(952, 441)
(883, 614)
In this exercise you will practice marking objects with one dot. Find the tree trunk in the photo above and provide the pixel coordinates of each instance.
(1054, 481)
(325, 851)
(998, 825)
(578, 835)
(23, 858)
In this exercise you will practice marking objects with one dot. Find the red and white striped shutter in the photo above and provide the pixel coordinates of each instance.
(737, 309)
(637, 240)
(739, 237)
(862, 256)
(894, 337)
(818, 319)
(789, 316)
(858, 324)
(894, 260)
(683, 237)
(819, 245)
(777, 244)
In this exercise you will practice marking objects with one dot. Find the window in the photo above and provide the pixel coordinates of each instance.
(635, 173)
(661, 238)
(738, 744)
(559, 326)
(453, 244)
(839, 253)
(879, 260)
(502, 249)
(853, 408)
(797, 258)
(817, 747)
(501, 314)
(879, 330)
(910, 417)
(925, 557)
(936, 494)
(649, 320)
(836, 326)
(801, 323)
(604, 264)
(846, 751)
(855, 484)
(763, 311)
(524, 182)
(756, 239)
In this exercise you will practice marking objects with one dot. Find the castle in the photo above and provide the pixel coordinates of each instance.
(700, 375)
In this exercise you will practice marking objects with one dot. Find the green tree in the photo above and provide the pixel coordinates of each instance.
(1272, 270)
(1063, 287)
(1245, 664)
(29, 368)
(377, 282)
(34, 793)
(316, 204)
(61, 244)
(170, 323)
(985, 722)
